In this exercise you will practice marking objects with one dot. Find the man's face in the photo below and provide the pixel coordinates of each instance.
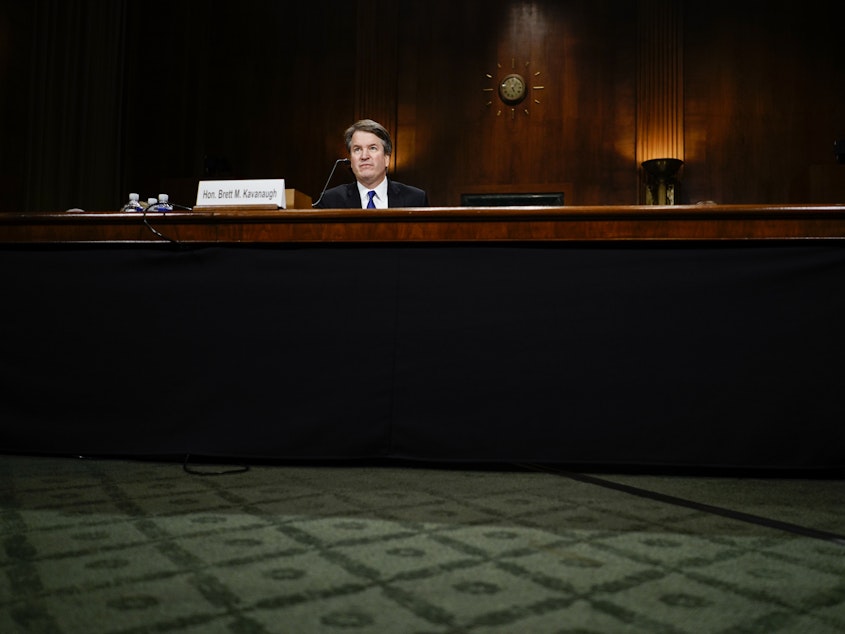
(367, 158)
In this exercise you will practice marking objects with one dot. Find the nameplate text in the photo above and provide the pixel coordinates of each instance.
(262, 191)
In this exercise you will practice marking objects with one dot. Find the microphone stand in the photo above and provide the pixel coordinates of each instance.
(345, 161)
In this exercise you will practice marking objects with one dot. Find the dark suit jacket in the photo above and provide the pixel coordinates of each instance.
(347, 196)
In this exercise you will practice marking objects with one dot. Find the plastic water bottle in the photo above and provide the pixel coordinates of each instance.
(133, 204)
(151, 203)
(162, 204)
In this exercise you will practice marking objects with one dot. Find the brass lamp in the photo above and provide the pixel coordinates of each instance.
(661, 180)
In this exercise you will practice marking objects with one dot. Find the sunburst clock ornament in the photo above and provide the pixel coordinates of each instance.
(515, 87)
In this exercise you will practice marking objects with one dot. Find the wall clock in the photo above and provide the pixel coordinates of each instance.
(513, 88)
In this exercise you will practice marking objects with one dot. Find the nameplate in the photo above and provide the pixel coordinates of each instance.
(262, 191)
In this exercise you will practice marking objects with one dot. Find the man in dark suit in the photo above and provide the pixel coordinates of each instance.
(370, 148)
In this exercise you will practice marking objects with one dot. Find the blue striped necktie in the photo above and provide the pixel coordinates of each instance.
(370, 203)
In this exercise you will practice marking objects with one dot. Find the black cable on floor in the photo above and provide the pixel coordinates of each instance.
(788, 527)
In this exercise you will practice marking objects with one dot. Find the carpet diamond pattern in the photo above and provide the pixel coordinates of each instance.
(106, 546)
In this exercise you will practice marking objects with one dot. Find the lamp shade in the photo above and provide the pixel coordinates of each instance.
(661, 180)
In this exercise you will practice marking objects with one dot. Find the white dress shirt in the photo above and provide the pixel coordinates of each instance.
(380, 199)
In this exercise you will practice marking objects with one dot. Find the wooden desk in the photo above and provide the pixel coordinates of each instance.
(682, 336)
(436, 225)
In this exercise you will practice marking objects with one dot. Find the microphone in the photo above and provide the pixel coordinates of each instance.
(345, 161)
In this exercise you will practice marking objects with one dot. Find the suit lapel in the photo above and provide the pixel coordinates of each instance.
(353, 196)
(394, 197)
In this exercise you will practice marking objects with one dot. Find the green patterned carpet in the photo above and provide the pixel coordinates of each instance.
(94, 546)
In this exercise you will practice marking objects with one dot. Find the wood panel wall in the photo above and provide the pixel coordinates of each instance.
(575, 134)
(754, 92)
(764, 99)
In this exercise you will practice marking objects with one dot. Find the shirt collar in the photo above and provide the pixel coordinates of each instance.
(380, 198)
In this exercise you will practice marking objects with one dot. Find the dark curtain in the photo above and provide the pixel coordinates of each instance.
(76, 94)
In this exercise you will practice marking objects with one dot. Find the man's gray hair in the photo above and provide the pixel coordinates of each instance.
(368, 125)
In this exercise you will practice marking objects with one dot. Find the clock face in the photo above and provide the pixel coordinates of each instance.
(512, 88)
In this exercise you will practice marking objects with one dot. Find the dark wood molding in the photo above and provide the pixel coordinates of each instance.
(435, 225)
